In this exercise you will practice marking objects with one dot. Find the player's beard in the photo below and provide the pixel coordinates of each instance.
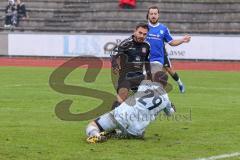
(154, 21)
(140, 40)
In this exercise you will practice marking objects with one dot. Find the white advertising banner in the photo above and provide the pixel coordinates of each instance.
(90, 45)
(62, 45)
(35, 45)
(201, 47)
(207, 48)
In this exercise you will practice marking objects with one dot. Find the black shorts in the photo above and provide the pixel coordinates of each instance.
(131, 82)
(167, 62)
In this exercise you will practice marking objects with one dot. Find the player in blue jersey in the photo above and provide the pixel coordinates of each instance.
(134, 115)
(159, 34)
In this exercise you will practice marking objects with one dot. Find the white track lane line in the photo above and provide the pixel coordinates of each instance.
(220, 156)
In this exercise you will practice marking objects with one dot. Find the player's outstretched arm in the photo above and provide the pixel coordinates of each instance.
(177, 42)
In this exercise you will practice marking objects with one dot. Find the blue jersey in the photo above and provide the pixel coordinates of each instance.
(156, 36)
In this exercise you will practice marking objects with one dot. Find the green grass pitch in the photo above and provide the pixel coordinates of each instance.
(208, 121)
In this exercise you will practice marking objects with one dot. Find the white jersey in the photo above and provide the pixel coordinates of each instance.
(136, 113)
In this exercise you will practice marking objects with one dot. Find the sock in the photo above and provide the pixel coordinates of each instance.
(176, 78)
(115, 104)
(92, 130)
(179, 82)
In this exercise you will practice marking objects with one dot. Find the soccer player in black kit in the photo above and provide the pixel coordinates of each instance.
(132, 55)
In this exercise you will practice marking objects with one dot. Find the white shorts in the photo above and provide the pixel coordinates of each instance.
(156, 67)
(107, 122)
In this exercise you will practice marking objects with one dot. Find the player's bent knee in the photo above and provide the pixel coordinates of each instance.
(170, 71)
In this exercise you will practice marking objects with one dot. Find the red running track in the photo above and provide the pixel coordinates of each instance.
(178, 65)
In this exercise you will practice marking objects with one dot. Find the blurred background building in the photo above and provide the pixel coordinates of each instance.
(181, 16)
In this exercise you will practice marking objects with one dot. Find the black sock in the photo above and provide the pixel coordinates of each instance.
(115, 104)
(175, 76)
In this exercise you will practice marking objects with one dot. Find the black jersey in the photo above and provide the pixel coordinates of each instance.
(133, 56)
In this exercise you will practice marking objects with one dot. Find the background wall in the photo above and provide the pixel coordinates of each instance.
(201, 47)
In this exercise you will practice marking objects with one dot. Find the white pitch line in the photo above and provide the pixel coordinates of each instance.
(220, 156)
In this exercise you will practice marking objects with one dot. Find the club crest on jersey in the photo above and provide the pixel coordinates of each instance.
(144, 50)
(137, 58)
(161, 31)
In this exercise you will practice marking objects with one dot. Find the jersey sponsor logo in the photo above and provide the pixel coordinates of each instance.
(155, 35)
(131, 48)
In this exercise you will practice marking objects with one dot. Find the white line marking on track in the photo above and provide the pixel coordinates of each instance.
(220, 156)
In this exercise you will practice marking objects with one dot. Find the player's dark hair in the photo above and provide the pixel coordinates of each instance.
(142, 25)
(152, 7)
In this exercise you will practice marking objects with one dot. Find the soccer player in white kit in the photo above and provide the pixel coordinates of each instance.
(135, 114)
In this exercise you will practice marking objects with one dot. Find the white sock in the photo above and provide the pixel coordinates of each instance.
(179, 82)
(92, 130)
